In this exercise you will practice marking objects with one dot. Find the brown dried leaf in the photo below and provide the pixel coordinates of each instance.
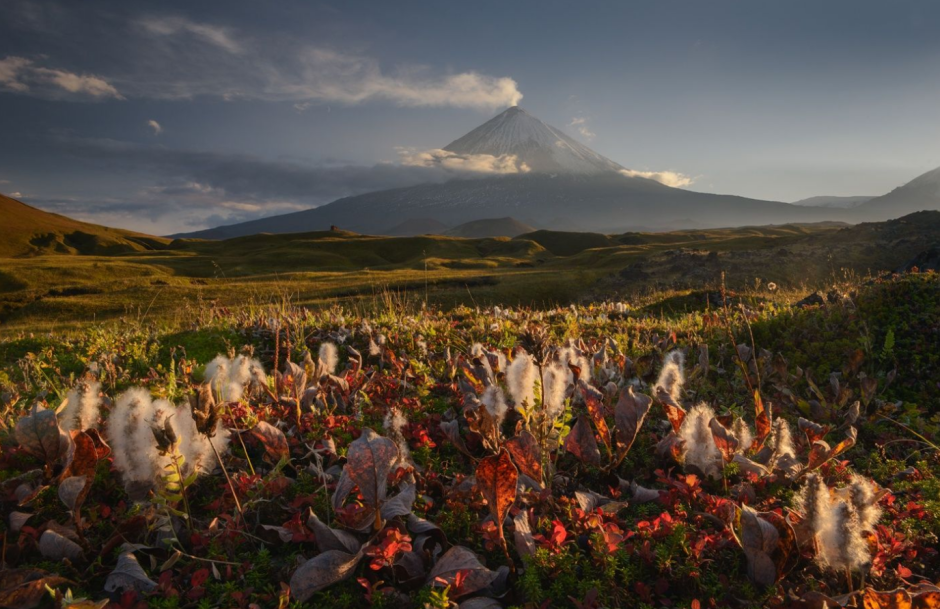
(581, 443)
(332, 539)
(129, 575)
(273, 440)
(39, 434)
(369, 461)
(400, 504)
(629, 414)
(750, 466)
(452, 430)
(322, 571)
(759, 540)
(461, 560)
(497, 478)
(57, 547)
(670, 447)
(524, 449)
(73, 490)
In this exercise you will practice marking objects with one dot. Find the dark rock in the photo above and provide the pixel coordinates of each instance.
(928, 260)
(634, 272)
(812, 300)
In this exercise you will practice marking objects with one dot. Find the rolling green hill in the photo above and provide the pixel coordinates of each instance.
(57, 272)
(27, 231)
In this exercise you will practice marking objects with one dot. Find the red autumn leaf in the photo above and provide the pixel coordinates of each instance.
(594, 400)
(762, 419)
(892, 599)
(497, 478)
(83, 454)
(524, 449)
(820, 452)
(580, 442)
(199, 578)
(629, 414)
(25, 588)
(813, 431)
(674, 412)
(727, 444)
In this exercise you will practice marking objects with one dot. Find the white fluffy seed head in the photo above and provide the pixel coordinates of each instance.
(230, 377)
(699, 445)
(520, 376)
(861, 494)
(83, 405)
(841, 545)
(329, 357)
(554, 386)
(814, 502)
(394, 423)
(495, 403)
(133, 446)
(672, 376)
(742, 433)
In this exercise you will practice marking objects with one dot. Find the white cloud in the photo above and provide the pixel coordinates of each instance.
(579, 123)
(669, 178)
(215, 35)
(197, 59)
(174, 57)
(462, 163)
(16, 195)
(155, 126)
(22, 75)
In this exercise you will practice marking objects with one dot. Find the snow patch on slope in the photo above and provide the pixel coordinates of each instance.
(541, 147)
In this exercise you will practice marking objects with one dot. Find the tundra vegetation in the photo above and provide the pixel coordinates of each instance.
(741, 452)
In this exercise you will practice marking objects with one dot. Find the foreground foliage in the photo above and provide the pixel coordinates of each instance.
(746, 453)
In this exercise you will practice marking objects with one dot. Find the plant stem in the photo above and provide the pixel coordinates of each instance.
(179, 473)
(238, 504)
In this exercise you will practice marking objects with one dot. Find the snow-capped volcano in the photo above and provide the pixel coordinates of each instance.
(540, 147)
(562, 184)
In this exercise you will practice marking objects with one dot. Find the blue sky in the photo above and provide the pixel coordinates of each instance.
(171, 116)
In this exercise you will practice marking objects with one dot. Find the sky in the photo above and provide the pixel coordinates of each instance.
(174, 116)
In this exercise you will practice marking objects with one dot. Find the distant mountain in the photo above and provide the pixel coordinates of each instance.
(540, 147)
(921, 193)
(27, 231)
(490, 227)
(416, 226)
(561, 180)
(834, 202)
